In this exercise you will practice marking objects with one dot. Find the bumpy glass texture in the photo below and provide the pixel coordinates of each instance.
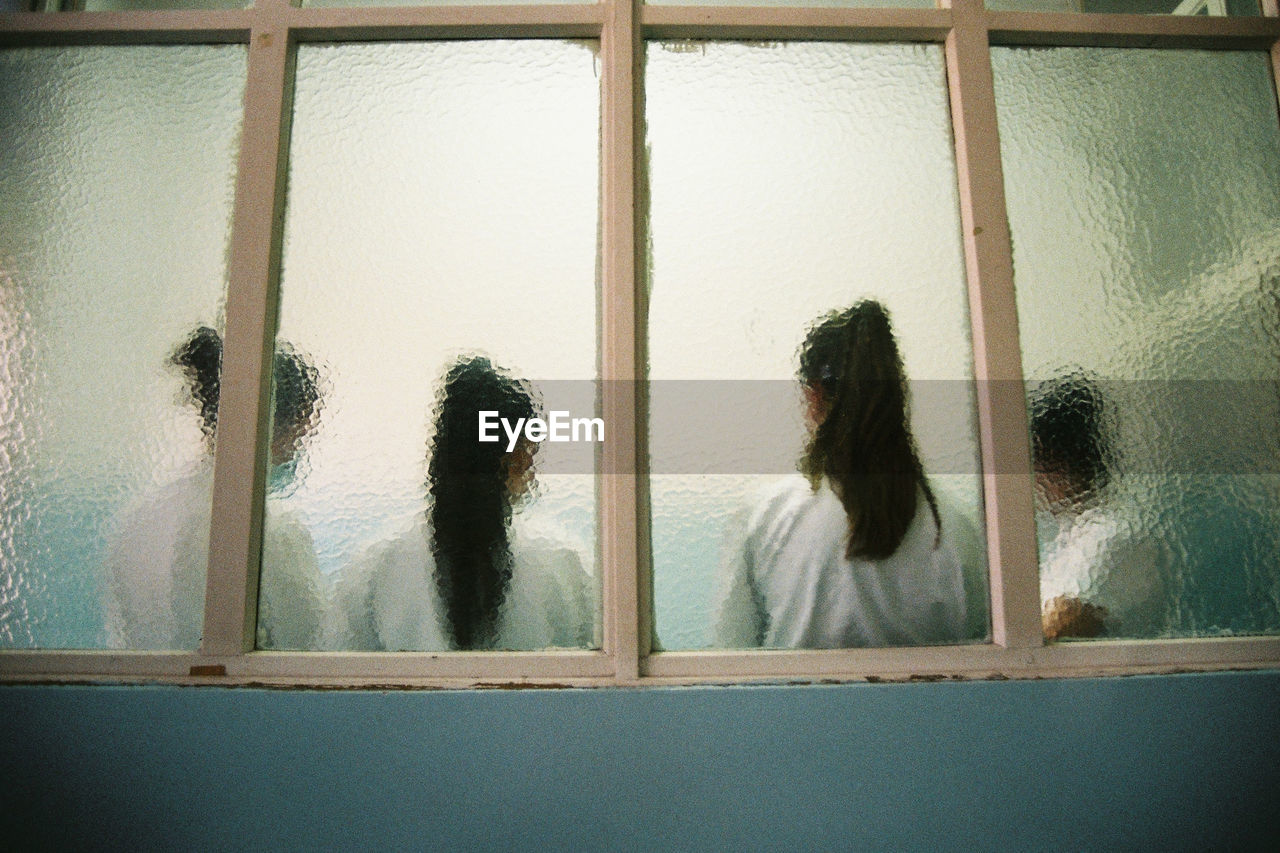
(1234, 8)
(439, 261)
(788, 181)
(116, 182)
(1144, 199)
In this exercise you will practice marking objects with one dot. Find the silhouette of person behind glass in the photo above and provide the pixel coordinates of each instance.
(1096, 576)
(160, 545)
(855, 551)
(471, 573)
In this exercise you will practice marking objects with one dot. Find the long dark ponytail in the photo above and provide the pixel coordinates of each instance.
(863, 442)
(470, 500)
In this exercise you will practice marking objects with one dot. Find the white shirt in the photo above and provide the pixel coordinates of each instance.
(1097, 556)
(788, 584)
(156, 572)
(388, 599)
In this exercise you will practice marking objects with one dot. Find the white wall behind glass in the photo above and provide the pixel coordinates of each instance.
(789, 180)
(442, 199)
(1144, 202)
(116, 184)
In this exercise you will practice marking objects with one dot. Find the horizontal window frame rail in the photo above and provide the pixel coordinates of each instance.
(302, 25)
(478, 22)
(312, 666)
(1046, 29)
(677, 23)
(450, 670)
(41, 29)
(625, 659)
(657, 23)
(1067, 659)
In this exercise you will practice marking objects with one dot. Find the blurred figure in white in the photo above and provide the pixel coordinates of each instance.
(471, 573)
(1097, 576)
(160, 545)
(853, 551)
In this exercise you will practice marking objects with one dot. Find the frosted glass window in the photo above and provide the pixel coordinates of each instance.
(116, 182)
(789, 181)
(455, 220)
(1238, 8)
(1144, 199)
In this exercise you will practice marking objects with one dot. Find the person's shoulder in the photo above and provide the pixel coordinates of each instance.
(190, 489)
(548, 602)
(540, 531)
(791, 491)
(399, 549)
(541, 547)
(960, 522)
(284, 532)
(777, 507)
(167, 522)
(785, 487)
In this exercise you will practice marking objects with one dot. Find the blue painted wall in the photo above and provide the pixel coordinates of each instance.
(1188, 762)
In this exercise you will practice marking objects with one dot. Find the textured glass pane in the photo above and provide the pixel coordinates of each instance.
(457, 216)
(788, 181)
(1144, 198)
(116, 179)
(1239, 8)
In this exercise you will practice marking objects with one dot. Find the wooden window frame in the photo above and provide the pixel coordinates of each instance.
(272, 29)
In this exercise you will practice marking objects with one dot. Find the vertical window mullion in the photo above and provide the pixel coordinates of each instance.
(240, 463)
(1008, 495)
(624, 542)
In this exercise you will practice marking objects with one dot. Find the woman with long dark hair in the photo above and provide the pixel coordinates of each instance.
(160, 545)
(853, 551)
(471, 574)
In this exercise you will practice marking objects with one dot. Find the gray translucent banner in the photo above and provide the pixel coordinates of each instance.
(1191, 427)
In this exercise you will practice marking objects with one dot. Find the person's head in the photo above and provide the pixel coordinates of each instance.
(860, 435)
(1068, 443)
(200, 358)
(294, 398)
(472, 485)
(295, 395)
